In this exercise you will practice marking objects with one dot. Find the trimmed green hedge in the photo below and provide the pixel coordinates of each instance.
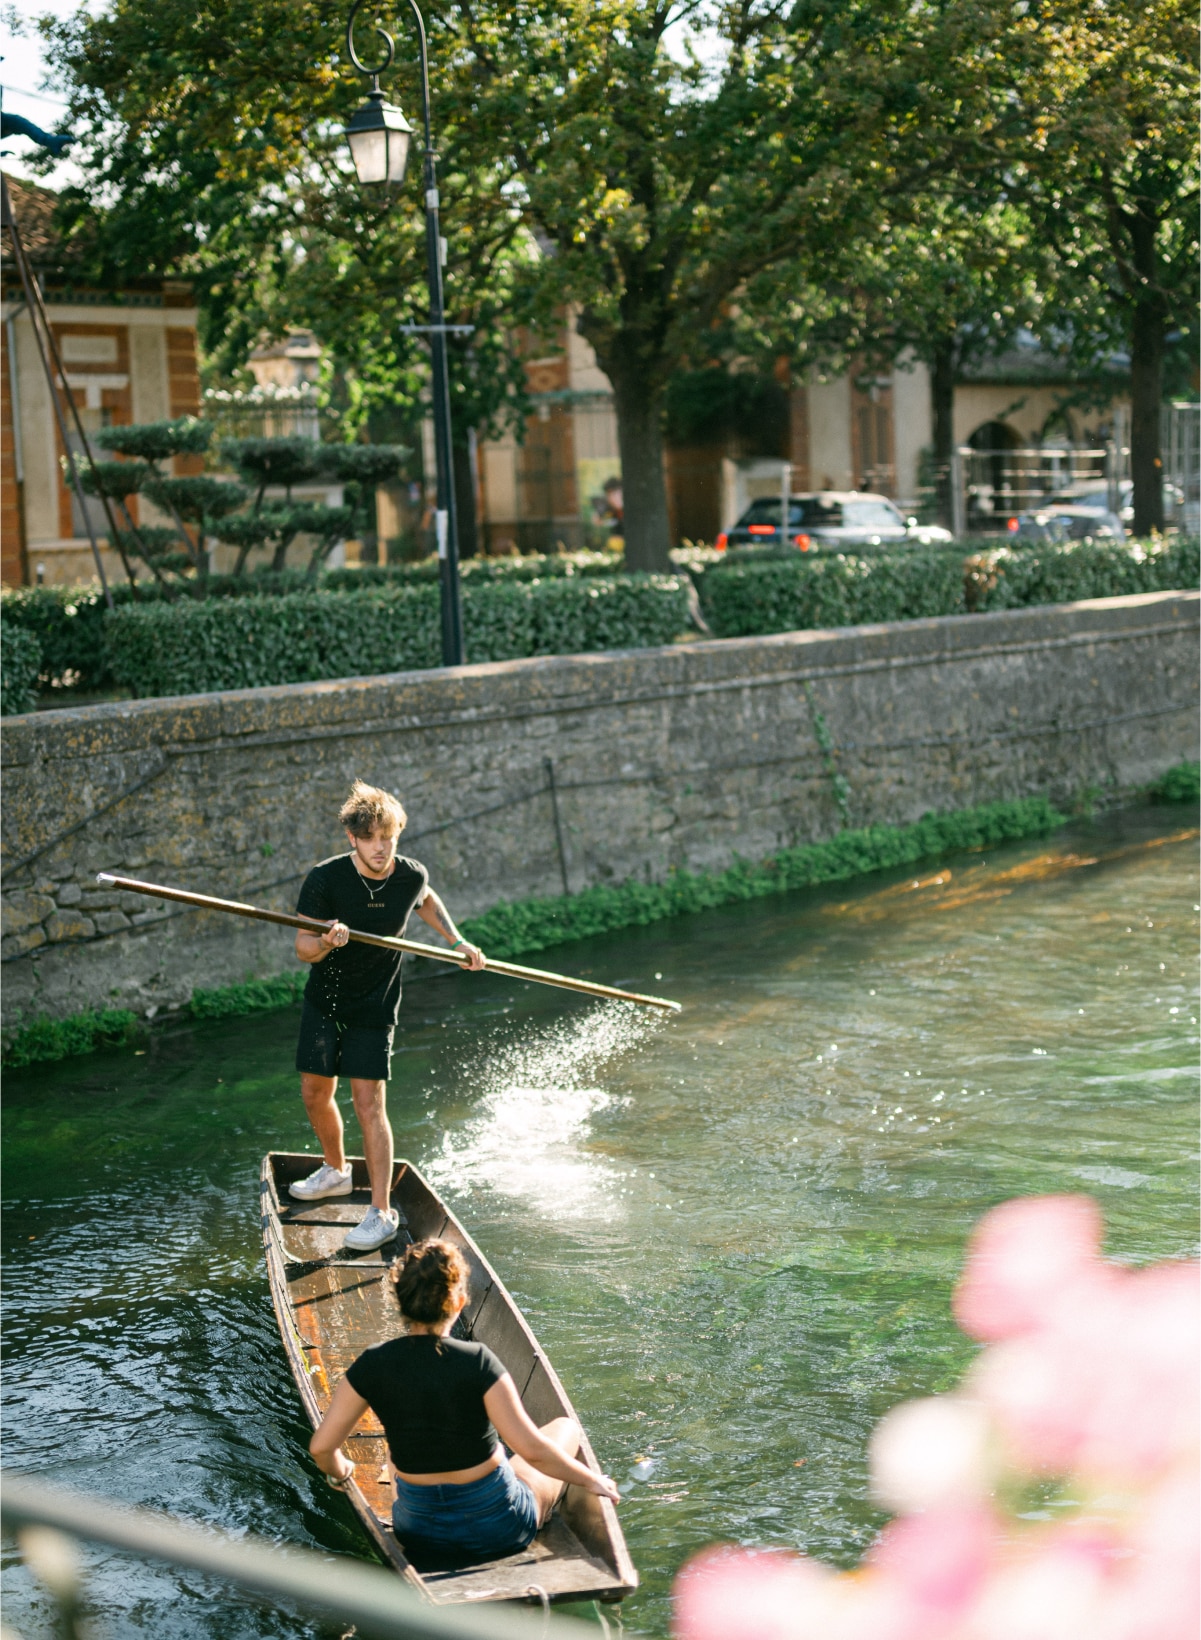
(536, 567)
(741, 595)
(20, 661)
(68, 623)
(194, 648)
(749, 595)
(534, 925)
(1089, 569)
(743, 598)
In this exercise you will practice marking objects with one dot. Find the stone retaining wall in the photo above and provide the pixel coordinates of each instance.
(682, 756)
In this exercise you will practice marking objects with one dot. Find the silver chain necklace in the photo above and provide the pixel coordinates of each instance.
(373, 894)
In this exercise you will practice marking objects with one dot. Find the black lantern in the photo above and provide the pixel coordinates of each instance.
(379, 146)
(379, 140)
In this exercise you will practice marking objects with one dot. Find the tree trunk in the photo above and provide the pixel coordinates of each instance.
(1147, 326)
(942, 397)
(643, 486)
(465, 508)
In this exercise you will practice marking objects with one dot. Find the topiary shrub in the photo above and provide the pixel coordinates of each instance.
(155, 441)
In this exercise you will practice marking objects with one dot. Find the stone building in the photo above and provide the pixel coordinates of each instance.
(128, 355)
(846, 432)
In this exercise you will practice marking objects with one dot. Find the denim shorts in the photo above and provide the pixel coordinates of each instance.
(476, 1520)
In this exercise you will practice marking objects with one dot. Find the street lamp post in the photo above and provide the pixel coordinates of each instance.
(378, 136)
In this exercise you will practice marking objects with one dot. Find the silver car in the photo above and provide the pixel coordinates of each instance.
(830, 521)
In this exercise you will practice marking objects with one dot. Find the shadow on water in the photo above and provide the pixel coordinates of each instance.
(736, 1232)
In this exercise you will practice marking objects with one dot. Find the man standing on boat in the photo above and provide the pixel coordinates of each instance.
(353, 995)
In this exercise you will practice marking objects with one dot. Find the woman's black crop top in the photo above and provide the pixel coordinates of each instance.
(429, 1393)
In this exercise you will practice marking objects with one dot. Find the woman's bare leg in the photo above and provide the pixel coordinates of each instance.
(564, 1433)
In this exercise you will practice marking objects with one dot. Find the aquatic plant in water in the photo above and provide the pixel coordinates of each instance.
(1054, 1495)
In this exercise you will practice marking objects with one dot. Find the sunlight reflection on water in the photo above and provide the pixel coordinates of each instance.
(537, 1099)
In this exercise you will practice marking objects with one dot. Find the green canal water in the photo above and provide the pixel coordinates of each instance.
(736, 1232)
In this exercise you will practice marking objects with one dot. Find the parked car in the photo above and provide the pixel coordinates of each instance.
(1063, 523)
(1094, 495)
(830, 521)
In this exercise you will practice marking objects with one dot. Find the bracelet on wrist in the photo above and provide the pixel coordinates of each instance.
(457, 944)
(339, 1482)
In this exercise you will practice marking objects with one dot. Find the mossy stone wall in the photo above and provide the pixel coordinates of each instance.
(689, 756)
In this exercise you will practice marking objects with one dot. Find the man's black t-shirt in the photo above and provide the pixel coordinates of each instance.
(360, 984)
(429, 1395)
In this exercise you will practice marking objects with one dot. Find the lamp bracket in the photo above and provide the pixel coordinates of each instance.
(382, 33)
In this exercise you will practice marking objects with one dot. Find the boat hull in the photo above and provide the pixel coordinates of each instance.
(331, 1305)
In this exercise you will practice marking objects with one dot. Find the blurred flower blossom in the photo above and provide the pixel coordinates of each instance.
(1089, 1384)
(927, 1453)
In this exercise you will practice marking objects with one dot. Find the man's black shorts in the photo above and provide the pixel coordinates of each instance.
(327, 1048)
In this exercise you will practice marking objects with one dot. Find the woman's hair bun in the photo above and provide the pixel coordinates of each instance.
(429, 1281)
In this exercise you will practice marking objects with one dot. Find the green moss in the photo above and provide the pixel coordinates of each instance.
(1181, 784)
(46, 1038)
(255, 996)
(534, 925)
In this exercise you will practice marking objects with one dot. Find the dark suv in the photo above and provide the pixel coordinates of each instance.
(831, 520)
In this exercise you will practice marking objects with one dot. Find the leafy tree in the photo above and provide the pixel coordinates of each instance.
(212, 143)
(655, 183)
(659, 181)
(1113, 172)
(949, 282)
(1084, 116)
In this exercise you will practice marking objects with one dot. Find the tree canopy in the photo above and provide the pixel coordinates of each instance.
(684, 175)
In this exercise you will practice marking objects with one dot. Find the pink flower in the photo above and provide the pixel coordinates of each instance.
(928, 1454)
(1144, 1412)
(1057, 1586)
(1159, 1593)
(1108, 1388)
(737, 1594)
(1022, 1257)
(935, 1565)
(1091, 1373)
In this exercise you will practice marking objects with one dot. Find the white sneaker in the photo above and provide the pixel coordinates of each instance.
(327, 1181)
(377, 1228)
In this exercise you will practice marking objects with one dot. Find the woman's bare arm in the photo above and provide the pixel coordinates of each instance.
(521, 1435)
(346, 1407)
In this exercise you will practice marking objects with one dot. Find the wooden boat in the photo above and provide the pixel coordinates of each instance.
(331, 1305)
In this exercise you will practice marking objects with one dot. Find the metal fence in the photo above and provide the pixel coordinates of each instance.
(1182, 460)
(47, 1521)
(989, 486)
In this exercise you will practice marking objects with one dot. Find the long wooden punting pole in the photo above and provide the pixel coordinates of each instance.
(314, 925)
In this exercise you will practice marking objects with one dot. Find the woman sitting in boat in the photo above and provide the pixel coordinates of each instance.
(443, 1403)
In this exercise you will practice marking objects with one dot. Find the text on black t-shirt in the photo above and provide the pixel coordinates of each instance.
(360, 984)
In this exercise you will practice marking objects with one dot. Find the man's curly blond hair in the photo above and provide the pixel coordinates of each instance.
(368, 809)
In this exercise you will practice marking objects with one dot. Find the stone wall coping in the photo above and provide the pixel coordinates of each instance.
(547, 685)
